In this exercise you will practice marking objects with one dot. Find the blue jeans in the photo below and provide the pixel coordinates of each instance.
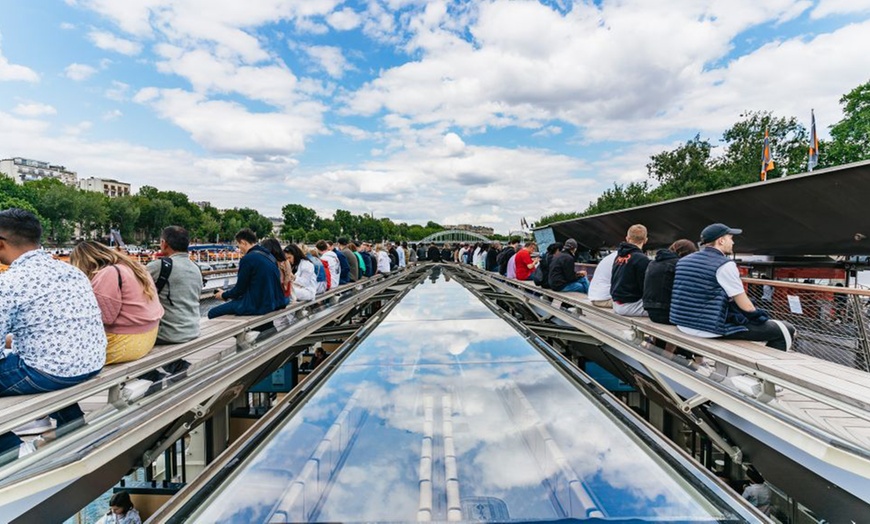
(17, 378)
(579, 286)
(227, 308)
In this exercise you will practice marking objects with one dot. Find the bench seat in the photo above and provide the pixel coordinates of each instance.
(827, 379)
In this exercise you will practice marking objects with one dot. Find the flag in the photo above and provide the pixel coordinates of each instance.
(814, 144)
(766, 161)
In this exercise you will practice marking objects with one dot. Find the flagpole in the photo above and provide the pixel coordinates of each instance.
(813, 159)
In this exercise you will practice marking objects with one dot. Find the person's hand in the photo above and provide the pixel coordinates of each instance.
(581, 274)
(219, 294)
(757, 317)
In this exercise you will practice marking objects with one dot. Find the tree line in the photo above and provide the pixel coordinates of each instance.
(68, 213)
(693, 168)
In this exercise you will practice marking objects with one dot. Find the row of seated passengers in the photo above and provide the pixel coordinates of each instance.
(699, 291)
(63, 322)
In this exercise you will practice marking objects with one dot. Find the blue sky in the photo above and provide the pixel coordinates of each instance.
(455, 111)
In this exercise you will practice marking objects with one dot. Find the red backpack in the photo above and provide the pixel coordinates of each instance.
(328, 274)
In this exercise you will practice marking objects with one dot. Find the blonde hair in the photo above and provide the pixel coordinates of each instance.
(637, 233)
(90, 257)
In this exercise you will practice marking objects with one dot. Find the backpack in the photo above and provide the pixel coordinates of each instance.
(328, 274)
(163, 279)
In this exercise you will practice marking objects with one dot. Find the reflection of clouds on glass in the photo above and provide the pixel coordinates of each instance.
(398, 343)
(506, 400)
(378, 490)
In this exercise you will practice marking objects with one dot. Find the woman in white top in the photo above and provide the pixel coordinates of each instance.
(305, 281)
(383, 259)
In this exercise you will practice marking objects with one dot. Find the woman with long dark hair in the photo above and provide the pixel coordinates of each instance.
(305, 280)
(274, 247)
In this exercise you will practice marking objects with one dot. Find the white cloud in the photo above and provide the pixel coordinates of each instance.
(9, 72)
(344, 19)
(110, 42)
(528, 64)
(112, 115)
(34, 109)
(330, 59)
(79, 72)
(208, 74)
(454, 144)
(638, 72)
(118, 91)
(356, 133)
(78, 129)
(132, 16)
(430, 181)
(839, 7)
(226, 182)
(66, 26)
(228, 128)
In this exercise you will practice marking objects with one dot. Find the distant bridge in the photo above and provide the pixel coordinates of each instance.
(452, 236)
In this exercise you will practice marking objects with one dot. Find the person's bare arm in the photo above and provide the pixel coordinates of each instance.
(744, 303)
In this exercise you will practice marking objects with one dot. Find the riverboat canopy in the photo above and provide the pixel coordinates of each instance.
(826, 212)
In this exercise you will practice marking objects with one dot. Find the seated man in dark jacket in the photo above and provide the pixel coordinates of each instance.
(629, 270)
(258, 285)
(562, 275)
(659, 281)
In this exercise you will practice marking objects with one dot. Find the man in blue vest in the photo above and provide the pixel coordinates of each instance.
(709, 300)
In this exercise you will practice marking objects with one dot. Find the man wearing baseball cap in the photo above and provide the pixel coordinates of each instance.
(709, 300)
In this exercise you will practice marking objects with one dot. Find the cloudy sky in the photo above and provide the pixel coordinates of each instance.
(454, 111)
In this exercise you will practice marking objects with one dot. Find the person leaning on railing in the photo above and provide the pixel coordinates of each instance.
(709, 300)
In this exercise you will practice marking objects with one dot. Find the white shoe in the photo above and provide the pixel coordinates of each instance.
(36, 427)
(26, 448)
(135, 389)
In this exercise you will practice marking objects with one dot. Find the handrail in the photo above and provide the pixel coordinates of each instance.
(694, 344)
(104, 439)
(798, 430)
(32, 407)
(807, 287)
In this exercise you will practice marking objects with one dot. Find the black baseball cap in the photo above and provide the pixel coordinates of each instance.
(717, 230)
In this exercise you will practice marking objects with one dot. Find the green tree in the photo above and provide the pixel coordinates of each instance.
(298, 217)
(347, 222)
(621, 197)
(59, 205)
(557, 217)
(153, 216)
(93, 213)
(123, 214)
(850, 137)
(683, 171)
(743, 144)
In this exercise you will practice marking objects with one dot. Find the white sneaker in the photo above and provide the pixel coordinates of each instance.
(36, 427)
(26, 448)
(135, 389)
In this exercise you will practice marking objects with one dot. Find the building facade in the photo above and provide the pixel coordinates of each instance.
(25, 170)
(480, 230)
(109, 187)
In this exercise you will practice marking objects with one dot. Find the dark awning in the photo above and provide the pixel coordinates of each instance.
(826, 212)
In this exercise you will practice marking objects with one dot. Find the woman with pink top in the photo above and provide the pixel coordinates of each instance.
(127, 298)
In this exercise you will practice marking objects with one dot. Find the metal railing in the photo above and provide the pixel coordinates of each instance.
(832, 322)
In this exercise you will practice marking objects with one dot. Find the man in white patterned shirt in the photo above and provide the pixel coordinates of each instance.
(48, 316)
